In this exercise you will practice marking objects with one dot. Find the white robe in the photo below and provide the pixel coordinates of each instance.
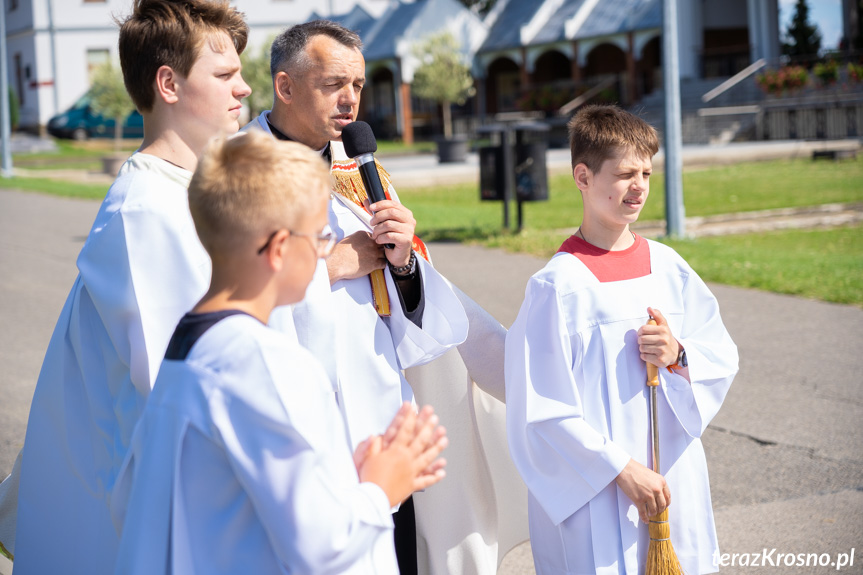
(468, 522)
(364, 352)
(239, 465)
(141, 268)
(577, 411)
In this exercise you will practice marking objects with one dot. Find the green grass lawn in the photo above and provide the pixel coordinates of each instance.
(56, 187)
(821, 264)
(456, 213)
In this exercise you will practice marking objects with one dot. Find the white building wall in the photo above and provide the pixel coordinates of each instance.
(73, 79)
(79, 26)
(690, 38)
(28, 106)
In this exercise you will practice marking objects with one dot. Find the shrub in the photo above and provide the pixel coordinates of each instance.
(787, 78)
(827, 72)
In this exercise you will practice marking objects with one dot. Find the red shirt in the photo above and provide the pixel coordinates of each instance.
(611, 266)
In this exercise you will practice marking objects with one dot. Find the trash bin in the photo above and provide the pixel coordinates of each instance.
(531, 169)
(492, 183)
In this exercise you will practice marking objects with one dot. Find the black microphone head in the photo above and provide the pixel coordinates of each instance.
(358, 139)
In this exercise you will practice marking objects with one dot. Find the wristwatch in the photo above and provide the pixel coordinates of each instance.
(681, 361)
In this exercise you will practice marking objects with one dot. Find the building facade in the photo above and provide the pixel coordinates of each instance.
(53, 46)
(525, 54)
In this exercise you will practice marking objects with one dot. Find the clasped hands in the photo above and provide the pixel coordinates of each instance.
(405, 458)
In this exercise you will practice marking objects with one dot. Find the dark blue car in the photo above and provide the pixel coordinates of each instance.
(79, 123)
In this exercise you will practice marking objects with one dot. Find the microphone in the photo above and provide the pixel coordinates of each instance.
(360, 144)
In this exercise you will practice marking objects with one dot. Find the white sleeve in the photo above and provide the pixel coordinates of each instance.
(563, 460)
(317, 515)
(143, 271)
(712, 358)
(444, 322)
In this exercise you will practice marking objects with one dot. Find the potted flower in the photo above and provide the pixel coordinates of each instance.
(855, 72)
(827, 72)
(108, 98)
(443, 76)
(787, 78)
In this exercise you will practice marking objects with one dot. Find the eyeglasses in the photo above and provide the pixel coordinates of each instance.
(323, 243)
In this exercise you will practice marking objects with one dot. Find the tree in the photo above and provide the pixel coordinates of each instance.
(480, 7)
(108, 98)
(256, 73)
(804, 39)
(443, 75)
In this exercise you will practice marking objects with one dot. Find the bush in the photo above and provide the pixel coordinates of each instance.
(14, 113)
(827, 72)
(855, 72)
(787, 78)
(256, 73)
(108, 98)
(443, 75)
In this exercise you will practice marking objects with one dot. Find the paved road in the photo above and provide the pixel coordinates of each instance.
(785, 453)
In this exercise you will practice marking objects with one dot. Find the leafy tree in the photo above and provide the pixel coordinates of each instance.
(481, 7)
(804, 37)
(256, 73)
(14, 112)
(857, 41)
(443, 75)
(108, 98)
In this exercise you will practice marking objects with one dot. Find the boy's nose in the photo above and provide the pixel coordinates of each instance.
(244, 90)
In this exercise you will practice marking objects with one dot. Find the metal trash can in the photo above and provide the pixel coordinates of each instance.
(492, 183)
(531, 167)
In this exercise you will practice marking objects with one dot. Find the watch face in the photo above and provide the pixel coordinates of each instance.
(681, 359)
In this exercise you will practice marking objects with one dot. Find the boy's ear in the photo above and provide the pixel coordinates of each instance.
(277, 251)
(166, 84)
(282, 86)
(582, 176)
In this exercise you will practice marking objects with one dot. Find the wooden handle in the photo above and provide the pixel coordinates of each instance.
(652, 371)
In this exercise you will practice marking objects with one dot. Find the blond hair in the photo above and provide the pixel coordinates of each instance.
(170, 33)
(251, 185)
(600, 132)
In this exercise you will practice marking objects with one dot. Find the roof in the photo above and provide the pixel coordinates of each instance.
(621, 16)
(605, 17)
(391, 27)
(506, 30)
(357, 20)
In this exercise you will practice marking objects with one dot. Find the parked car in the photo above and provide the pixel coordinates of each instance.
(79, 123)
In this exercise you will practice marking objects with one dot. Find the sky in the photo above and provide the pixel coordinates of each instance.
(827, 14)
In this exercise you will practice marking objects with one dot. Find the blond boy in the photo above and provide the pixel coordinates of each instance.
(141, 268)
(577, 410)
(240, 463)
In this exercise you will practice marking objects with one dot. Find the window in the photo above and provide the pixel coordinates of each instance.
(19, 80)
(95, 58)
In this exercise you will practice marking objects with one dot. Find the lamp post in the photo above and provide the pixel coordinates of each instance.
(4, 100)
(675, 213)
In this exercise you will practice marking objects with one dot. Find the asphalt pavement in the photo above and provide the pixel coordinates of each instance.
(785, 452)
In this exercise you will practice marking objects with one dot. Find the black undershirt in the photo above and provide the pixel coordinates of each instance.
(190, 329)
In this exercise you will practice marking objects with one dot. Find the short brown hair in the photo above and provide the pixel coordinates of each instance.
(170, 33)
(252, 184)
(599, 132)
(287, 51)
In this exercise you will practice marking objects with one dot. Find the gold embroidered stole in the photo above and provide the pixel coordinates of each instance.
(348, 183)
